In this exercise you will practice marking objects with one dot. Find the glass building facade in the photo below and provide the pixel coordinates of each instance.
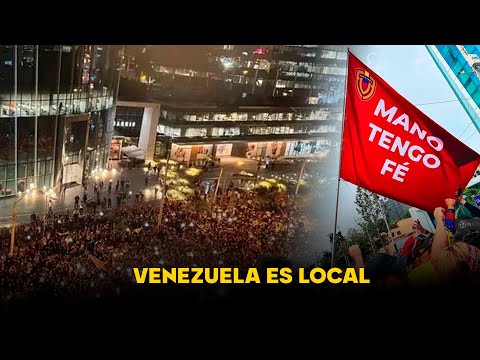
(460, 65)
(57, 107)
(289, 97)
(299, 74)
(128, 121)
(177, 122)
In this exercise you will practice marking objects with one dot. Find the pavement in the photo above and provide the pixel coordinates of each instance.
(38, 203)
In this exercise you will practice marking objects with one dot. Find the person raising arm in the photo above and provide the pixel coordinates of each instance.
(355, 252)
(449, 221)
(440, 240)
(472, 208)
(457, 263)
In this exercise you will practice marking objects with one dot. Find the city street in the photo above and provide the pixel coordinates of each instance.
(281, 156)
(38, 203)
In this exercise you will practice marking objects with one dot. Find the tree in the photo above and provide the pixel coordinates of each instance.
(370, 211)
(359, 237)
(324, 259)
(342, 259)
(405, 215)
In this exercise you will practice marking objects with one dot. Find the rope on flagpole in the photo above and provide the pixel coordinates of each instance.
(475, 132)
(440, 102)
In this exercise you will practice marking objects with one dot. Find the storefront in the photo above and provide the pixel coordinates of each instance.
(273, 149)
(116, 149)
(187, 153)
(223, 150)
(307, 148)
(250, 150)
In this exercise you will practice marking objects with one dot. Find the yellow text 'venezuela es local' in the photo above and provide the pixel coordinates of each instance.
(233, 276)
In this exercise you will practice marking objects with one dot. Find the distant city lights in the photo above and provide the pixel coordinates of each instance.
(227, 63)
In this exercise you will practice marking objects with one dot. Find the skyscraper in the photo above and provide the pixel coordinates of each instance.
(460, 65)
(57, 106)
(244, 100)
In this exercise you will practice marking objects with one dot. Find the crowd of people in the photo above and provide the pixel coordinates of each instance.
(92, 249)
(448, 256)
(91, 252)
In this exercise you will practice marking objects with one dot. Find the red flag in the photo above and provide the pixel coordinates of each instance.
(390, 147)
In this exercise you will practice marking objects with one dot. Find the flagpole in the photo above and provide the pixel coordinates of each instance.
(384, 215)
(339, 169)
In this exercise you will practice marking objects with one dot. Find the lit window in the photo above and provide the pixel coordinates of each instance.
(328, 54)
(260, 51)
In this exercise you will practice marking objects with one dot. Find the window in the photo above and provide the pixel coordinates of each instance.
(189, 117)
(11, 172)
(7, 109)
(219, 117)
(41, 168)
(328, 54)
(196, 132)
(333, 70)
(22, 170)
(172, 131)
(284, 84)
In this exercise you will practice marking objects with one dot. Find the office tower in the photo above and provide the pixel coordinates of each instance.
(57, 111)
(460, 65)
(255, 101)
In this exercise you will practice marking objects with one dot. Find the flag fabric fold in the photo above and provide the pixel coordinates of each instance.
(392, 148)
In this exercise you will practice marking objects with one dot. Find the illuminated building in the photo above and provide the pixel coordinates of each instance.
(57, 110)
(254, 101)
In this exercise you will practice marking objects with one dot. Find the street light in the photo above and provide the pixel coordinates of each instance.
(164, 192)
(300, 175)
(218, 185)
(21, 195)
